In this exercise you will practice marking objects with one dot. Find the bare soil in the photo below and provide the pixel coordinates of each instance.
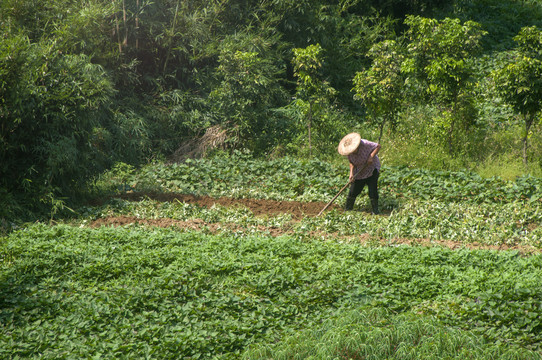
(259, 207)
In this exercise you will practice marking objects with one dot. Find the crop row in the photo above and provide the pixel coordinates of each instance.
(240, 175)
(488, 224)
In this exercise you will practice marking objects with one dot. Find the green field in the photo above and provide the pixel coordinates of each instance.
(451, 269)
(163, 166)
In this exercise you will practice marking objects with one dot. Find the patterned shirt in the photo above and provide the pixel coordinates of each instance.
(359, 158)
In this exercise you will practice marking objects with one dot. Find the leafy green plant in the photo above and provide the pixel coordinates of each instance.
(124, 292)
(380, 87)
(419, 204)
(311, 87)
(247, 92)
(439, 57)
(242, 175)
(518, 81)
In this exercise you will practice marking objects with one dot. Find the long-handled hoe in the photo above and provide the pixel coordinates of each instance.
(340, 191)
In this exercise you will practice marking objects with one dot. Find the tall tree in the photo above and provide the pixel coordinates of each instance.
(380, 87)
(248, 88)
(311, 86)
(439, 60)
(520, 82)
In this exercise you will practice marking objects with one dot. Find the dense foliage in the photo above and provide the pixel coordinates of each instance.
(139, 293)
(86, 84)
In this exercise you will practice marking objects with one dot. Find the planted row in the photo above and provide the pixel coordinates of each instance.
(241, 175)
(461, 186)
(488, 224)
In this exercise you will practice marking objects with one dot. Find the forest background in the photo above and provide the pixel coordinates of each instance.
(85, 85)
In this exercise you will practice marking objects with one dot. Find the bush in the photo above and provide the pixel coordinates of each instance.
(52, 104)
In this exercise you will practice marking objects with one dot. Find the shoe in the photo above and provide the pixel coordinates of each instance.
(374, 206)
(349, 203)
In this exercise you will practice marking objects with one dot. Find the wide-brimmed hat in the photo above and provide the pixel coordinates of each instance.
(349, 144)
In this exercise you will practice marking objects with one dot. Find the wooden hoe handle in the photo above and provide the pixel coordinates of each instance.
(344, 187)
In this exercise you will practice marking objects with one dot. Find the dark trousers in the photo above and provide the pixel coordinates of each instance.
(372, 182)
(357, 187)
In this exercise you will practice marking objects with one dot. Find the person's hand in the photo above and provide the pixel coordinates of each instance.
(351, 178)
(370, 160)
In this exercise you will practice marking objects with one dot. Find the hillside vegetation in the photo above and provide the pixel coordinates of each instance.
(444, 85)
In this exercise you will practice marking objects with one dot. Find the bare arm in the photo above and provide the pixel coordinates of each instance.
(373, 154)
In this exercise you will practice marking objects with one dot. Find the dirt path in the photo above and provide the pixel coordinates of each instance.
(259, 207)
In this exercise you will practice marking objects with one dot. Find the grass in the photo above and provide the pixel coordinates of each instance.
(493, 149)
(375, 334)
(507, 167)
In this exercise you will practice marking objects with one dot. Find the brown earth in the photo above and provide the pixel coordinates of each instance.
(261, 207)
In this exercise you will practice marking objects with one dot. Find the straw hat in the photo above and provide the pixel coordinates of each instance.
(349, 144)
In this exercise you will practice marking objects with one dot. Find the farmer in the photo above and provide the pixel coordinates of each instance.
(364, 168)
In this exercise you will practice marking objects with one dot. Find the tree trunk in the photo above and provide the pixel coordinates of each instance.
(309, 126)
(381, 130)
(117, 27)
(137, 26)
(528, 123)
(453, 117)
(125, 42)
(451, 138)
(171, 40)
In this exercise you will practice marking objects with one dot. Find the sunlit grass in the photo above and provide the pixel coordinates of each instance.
(377, 334)
(507, 167)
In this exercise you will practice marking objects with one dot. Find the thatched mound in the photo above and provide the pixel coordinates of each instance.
(214, 138)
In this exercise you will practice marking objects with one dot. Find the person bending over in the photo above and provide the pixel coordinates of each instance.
(364, 168)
